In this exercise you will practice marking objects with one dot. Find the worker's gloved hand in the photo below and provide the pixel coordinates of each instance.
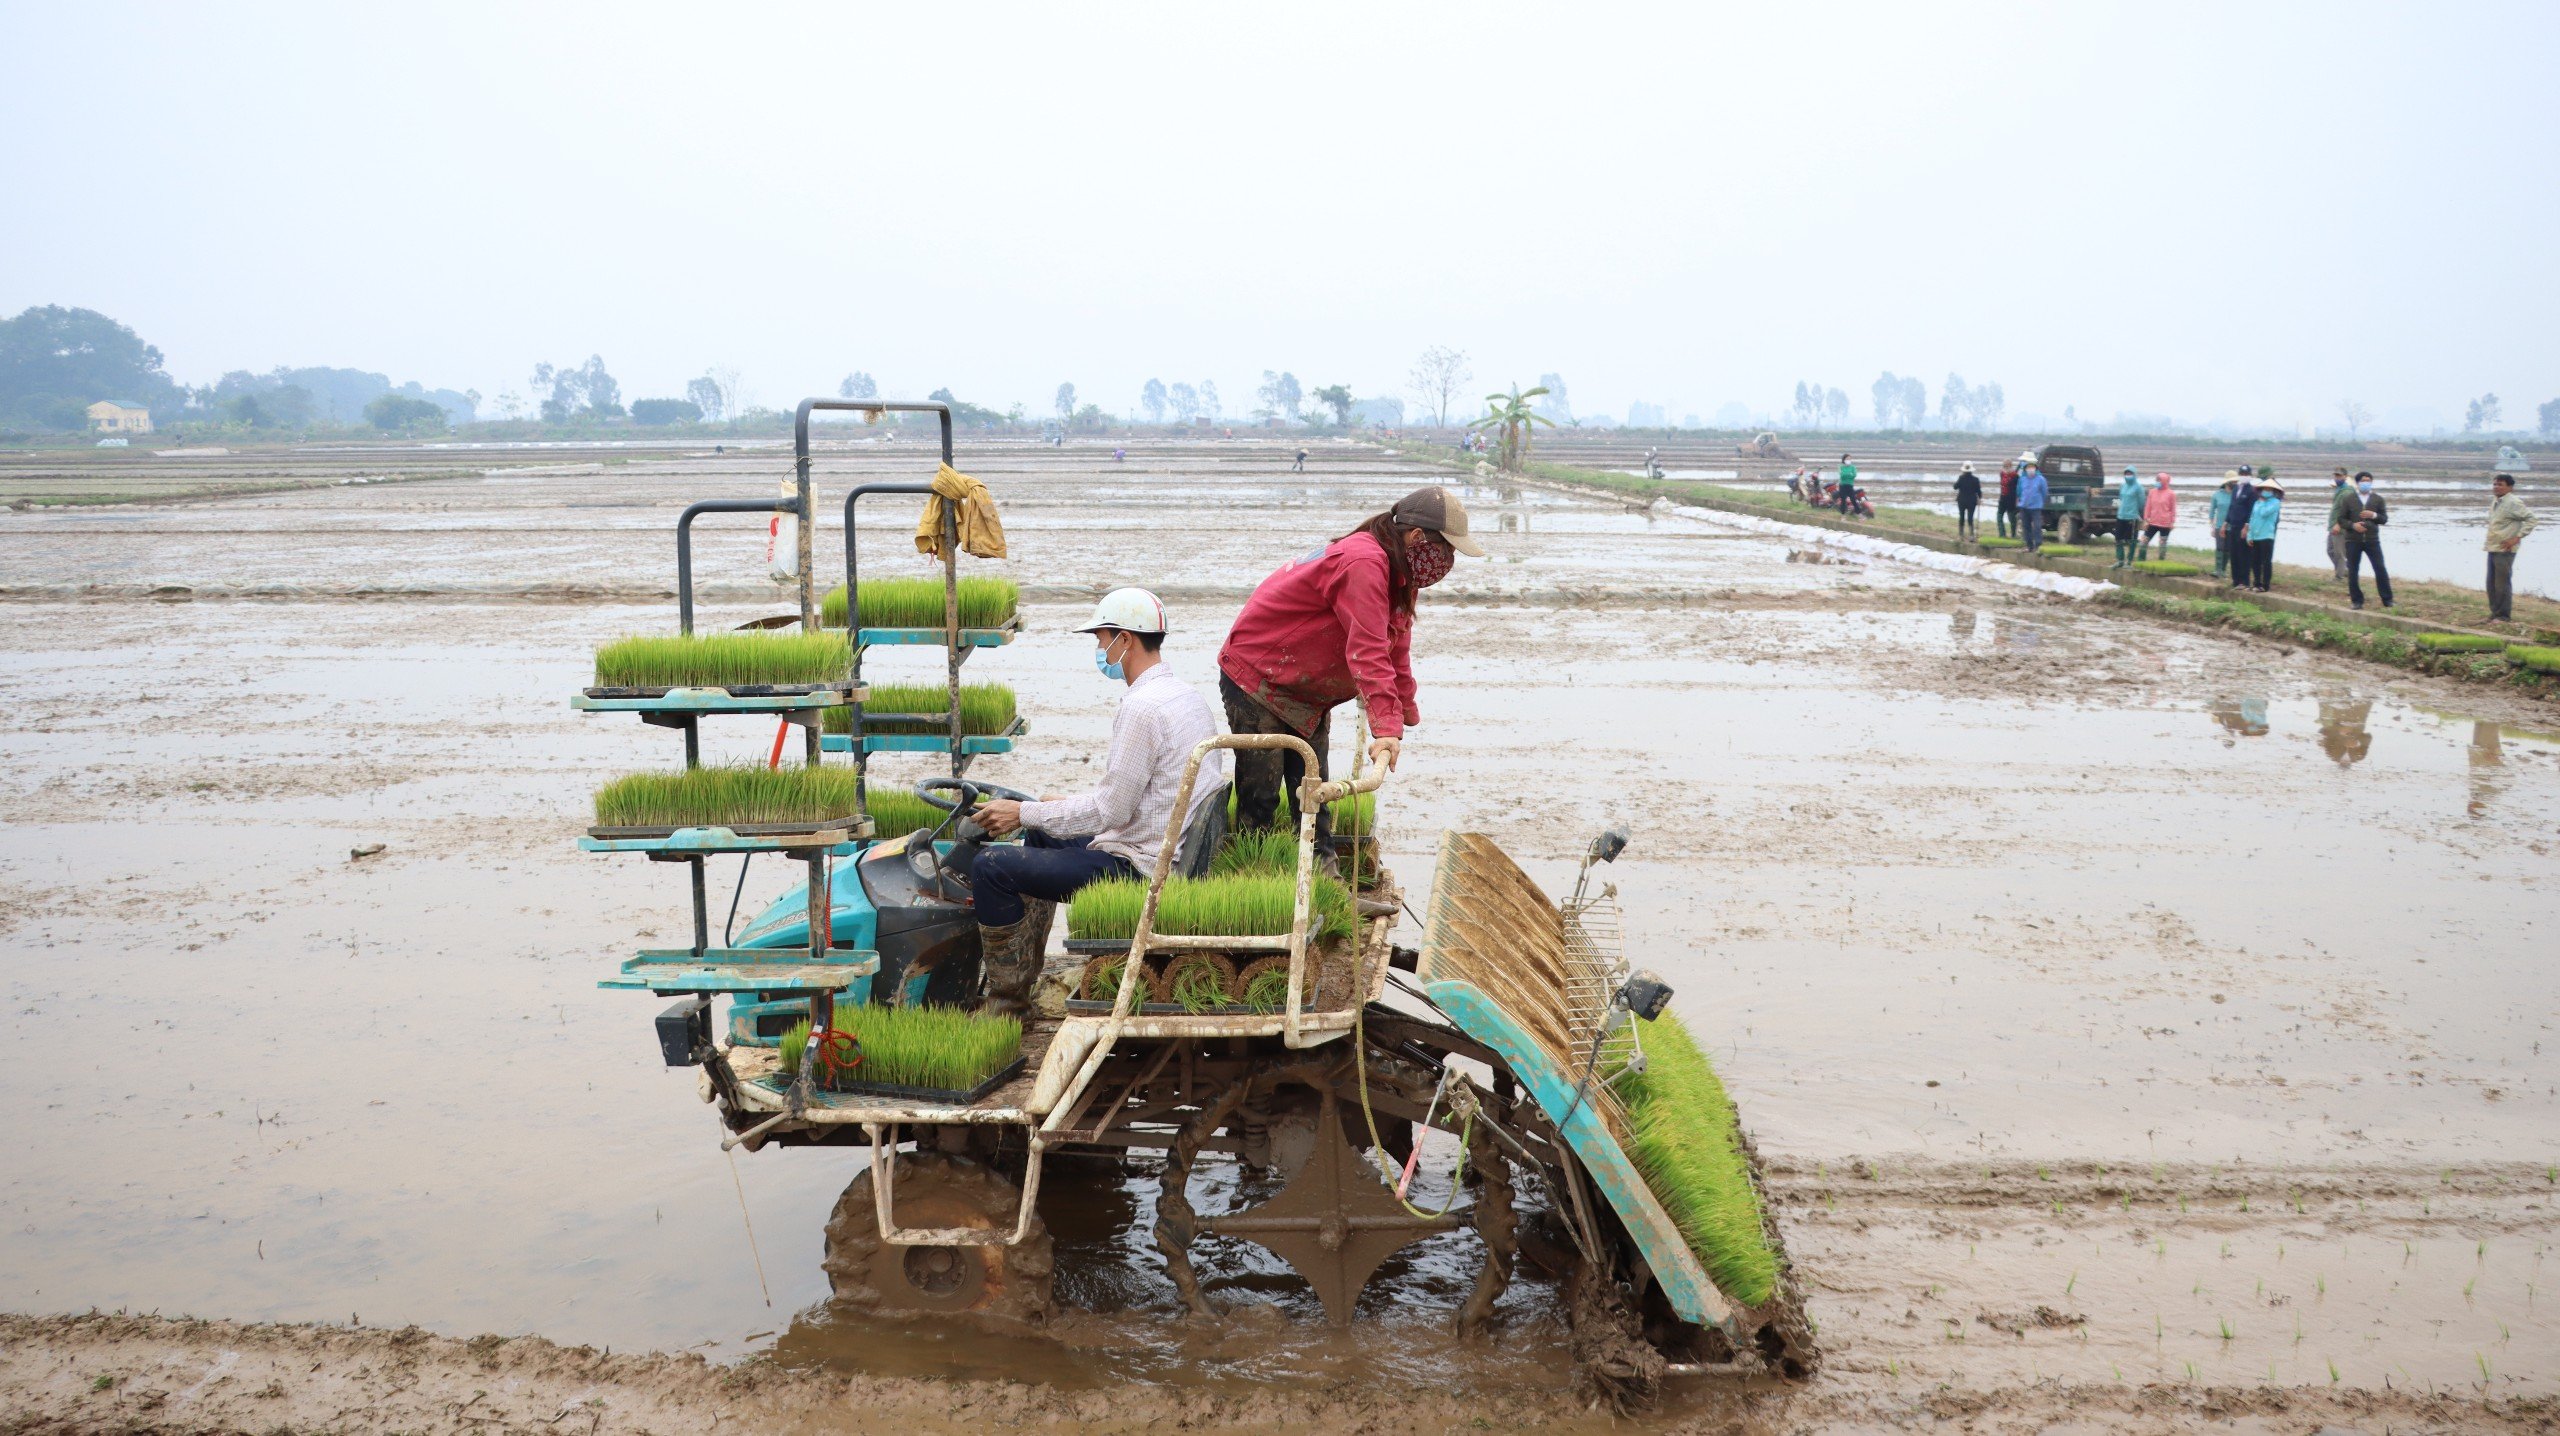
(1384, 750)
(998, 816)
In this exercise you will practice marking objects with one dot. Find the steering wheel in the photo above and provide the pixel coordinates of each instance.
(966, 793)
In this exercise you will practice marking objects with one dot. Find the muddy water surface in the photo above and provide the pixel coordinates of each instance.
(2059, 963)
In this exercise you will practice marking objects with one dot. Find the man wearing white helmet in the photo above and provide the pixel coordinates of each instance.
(1113, 831)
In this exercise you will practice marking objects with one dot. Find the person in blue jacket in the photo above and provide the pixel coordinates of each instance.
(2032, 490)
(2128, 516)
(2236, 526)
(2264, 515)
(2216, 525)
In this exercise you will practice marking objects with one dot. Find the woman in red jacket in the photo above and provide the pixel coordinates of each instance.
(1330, 625)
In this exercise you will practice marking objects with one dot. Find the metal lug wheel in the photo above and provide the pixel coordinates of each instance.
(936, 1189)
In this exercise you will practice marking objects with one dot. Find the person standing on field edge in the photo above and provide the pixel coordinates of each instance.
(2006, 516)
(1968, 498)
(2337, 537)
(2128, 516)
(2236, 524)
(1844, 495)
(2159, 516)
(2264, 515)
(2357, 516)
(2509, 522)
(2219, 520)
(2032, 491)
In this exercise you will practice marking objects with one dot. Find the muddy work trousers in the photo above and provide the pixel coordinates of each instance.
(2502, 585)
(1966, 523)
(1268, 779)
(2361, 551)
(2149, 533)
(2339, 543)
(2006, 518)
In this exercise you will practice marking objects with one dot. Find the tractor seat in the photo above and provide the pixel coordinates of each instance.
(1204, 834)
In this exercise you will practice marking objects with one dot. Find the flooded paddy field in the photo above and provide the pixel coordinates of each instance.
(2139, 1025)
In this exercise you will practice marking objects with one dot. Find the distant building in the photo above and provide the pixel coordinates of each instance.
(119, 416)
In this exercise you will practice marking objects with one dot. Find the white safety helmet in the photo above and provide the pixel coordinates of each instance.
(1133, 610)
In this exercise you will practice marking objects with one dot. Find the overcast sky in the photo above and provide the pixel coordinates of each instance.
(2239, 211)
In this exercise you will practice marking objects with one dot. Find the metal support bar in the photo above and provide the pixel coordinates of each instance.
(884, 1168)
(701, 897)
(684, 545)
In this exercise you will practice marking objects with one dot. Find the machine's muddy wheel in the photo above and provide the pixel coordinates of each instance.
(939, 1190)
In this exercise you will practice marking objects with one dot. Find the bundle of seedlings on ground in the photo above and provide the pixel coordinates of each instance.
(1221, 905)
(727, 795)
(715, 660)
(2062, 550)
(944, 1049)
(2461, 643)
(925, 708)
(918, 603)
(1197, 981)
(1995, 541)
(2165, 567)
(1687, 1141)
(2540, 660)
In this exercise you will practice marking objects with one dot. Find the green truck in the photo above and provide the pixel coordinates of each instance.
(2078, 496)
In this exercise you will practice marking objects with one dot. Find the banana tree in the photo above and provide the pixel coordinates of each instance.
(1509, 417)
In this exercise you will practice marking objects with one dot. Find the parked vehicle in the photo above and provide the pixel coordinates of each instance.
(2077, 495)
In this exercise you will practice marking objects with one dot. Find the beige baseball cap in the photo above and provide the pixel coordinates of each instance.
(1438, 510)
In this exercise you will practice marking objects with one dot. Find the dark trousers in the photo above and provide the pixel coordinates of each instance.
(2237, 541)
(1267, 779)
(2150, 532)
(2031, 528)
(1966, 523)
(1042, 867)
(2005, 518)
(2360, 549)
(2502, 585)
(2262, 563)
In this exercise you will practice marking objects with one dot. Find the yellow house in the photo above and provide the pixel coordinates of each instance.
(119, 416)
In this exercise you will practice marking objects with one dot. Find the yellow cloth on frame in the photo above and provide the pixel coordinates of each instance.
(981, 532)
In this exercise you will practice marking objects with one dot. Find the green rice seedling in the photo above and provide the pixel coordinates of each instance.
(896, 812)
(1220, 905)
(2068, 1285)
(726, 794)
(2165, 567)
(1257, 850)
(2540, 660)
(722, 659)
(1197, 982)
(2062, 550)
(1266, 984)
(1996, 541)
(2333, 1373)
(1102, 978)
(943, 1048)
(2225, 1323)
(2461, 643)
(926, 708)
(1685, 1139)
(918, 603)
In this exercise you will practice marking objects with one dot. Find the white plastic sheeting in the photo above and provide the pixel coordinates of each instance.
(1993, 569)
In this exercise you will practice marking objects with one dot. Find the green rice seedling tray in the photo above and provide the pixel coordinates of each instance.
(2540, 660)
(2462, 643)
(1090, 1007)
(741, 698)
(932, 637)
(2062, 550)
(1224, 905)
(722, 660)
(1997, 542)
(2165, 568)
(848, 1094)
(728, 839)
(971, 744)
(743, 970)
(916, 605)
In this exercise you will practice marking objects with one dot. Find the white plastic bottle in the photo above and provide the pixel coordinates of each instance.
(782, 540)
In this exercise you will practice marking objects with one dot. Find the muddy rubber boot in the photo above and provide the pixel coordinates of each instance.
(1005, 974)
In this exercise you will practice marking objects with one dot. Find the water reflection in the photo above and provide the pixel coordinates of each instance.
(1960, 624)
(2343, 735)
(2488, 773)
(2245, 717)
